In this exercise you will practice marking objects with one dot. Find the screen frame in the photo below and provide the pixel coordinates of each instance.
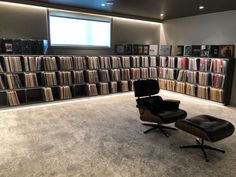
(75, 15)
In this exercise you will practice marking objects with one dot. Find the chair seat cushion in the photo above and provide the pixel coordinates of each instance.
(206, 127)
(171, 116)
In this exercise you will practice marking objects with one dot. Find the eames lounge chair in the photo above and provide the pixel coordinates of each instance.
(153, 108)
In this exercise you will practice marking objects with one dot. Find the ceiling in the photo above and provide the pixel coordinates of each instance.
(141, 9)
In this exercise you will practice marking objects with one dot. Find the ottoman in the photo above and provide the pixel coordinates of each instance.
(208, 128)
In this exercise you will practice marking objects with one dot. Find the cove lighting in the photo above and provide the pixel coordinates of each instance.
(21, 5)
(137, 21)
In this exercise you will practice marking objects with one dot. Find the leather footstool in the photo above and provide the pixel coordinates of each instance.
(207, 128)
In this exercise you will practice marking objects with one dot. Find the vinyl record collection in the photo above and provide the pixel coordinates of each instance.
(105, 62)
(31, 80)
(144, 61)
(12, 98)
(92, 76)
(216, 94)
(13, 81)
(2, 85)
(115, 74)
(196, 76)
(65, 78)
(12, 64)
(115, 62)
(32, 63)
(65, 92)
(167, 73)
(123, 86)
(125, 74)
(49, 63)
(47, 94)
(92, 62)
(1, 68)
(180, 87)
(113, 87)
(191, 89)
(135, 73)
(135, 61)
(79, 63)
(91, 89)
(152, 61)
(144, 73)
(153, 72)
(49, 79)
(125, 61)
(78, 77)
(65, 63)
(103, 88)
(104, 76)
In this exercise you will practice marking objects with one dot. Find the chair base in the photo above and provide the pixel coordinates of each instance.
(160, 127)
(203, 147)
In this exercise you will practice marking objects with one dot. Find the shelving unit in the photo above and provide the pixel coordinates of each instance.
(28, 79)
(207, 78)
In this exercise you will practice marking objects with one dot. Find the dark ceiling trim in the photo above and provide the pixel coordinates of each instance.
(62, 7)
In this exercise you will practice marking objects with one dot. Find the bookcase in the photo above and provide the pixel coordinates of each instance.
(28, 79)
(207, 78)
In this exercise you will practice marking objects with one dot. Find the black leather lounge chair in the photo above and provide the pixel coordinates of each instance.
(153, 108)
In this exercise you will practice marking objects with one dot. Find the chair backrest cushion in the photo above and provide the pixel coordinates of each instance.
(146, 87)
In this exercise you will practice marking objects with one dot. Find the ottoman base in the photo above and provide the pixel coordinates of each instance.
(203, 147)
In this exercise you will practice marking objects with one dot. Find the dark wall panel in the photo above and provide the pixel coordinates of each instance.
(19, 21)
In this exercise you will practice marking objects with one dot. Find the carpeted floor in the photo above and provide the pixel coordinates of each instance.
(103, 137)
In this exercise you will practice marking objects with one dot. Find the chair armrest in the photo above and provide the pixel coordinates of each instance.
(171, 104)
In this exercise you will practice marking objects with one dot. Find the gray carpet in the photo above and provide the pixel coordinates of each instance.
(104, 137)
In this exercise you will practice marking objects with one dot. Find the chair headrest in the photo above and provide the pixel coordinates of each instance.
(146, 87)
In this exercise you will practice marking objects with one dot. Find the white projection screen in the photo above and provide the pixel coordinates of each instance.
(67, 31)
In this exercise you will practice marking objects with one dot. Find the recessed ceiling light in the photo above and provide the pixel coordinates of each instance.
(110, 2)
(201, 7)
(103, 5)
(161, 15)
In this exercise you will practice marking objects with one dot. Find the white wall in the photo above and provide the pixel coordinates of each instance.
(215, 28)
